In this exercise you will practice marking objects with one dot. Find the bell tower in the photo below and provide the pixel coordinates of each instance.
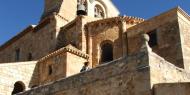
(69, 9)
(65, 8)
(51, 6)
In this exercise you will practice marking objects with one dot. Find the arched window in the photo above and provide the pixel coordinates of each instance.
(98, 11)
(106, 52)
(18, 87)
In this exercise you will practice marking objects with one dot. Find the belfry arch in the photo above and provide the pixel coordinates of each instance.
(100, 9)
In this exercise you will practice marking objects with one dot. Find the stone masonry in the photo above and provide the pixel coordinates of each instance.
(127, 55)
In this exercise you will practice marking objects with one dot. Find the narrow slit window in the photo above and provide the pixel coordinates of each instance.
(50, 69)
(17, 54)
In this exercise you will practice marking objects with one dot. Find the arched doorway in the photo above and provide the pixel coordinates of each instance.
(106, 52)
(18, 87)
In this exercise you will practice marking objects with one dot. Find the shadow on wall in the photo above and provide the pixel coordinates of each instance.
(17, 77)
(22, 85)
(34, 82)
(117, 78)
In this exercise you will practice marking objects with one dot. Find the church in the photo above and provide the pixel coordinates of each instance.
(127, 55)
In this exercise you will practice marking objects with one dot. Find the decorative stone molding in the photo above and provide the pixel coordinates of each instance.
(68, 48)
(132, 20)
(183, 12)
(127, 19)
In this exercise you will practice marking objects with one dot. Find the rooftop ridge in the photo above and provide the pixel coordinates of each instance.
(17, 63)
(134, 18)
(68, 48)
(16, 37)
(185, 14)
(173, 11)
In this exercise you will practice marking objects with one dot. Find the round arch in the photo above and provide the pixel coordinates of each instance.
(19, 86)
(106, 41)
(102, 5)
(106, 51)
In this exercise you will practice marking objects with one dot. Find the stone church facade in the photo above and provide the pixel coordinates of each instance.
(127, 55)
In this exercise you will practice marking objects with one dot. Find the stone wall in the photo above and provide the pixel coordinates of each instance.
(52, 68)
(74, 33)
(110, 30)
(105, 32)
(50, 7)
(166, 27)
(60, 7)
(8, 54)
(39, 41)
(184, 26)
(59, 64)
(68, 9)
(14, 72)
(164, 72)
(74, 64)
(63, 63)
(125, 76)
(172, 89)
(69, 34)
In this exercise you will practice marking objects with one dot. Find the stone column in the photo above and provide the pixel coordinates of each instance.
(124, 28)
(89, 47)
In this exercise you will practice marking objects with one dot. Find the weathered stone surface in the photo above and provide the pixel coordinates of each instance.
(172, 89)
(64, 63)
(62, 42)
(14, 72)
(169, 45)
(184, 26)
(165, 72)
(120, 77)
(39, 43)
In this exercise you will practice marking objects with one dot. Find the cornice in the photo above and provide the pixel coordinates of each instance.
(181, 11)
(127, 19)
(69, 49)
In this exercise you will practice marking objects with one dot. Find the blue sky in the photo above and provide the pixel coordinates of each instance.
(16, 15)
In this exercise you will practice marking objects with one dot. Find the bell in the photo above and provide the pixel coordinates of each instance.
(81, 10)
